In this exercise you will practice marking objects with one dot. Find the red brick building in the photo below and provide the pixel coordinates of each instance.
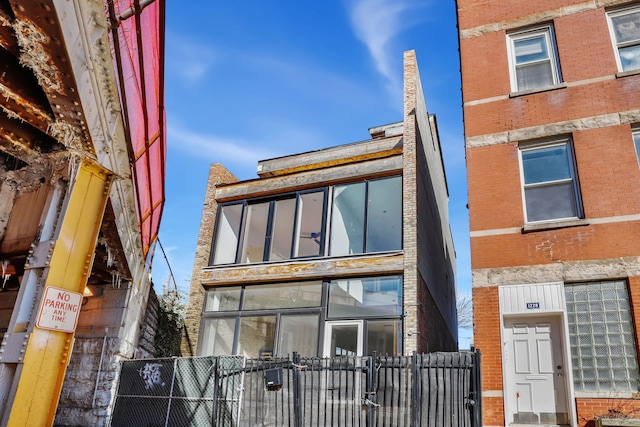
(551, 95)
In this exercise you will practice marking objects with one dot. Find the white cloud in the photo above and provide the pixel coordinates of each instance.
(376, 23)
(215, 148)
(188, 58)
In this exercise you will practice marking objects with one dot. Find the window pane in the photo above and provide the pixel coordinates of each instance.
(300, 334)
(282, 295)
(627, 27)
(223, 299)
(216, 337)
(257, 335)
(344, 340)
(532, 76)
(530, 49)
(310, 212)
(373, 296)
(347, 223)
(551, 202)
(630, 57)
(636, 140)
(282, 235)
(227, 234)
(255, 232)
(384, 215)
(546, 164)
(383, 337)
(603, 352)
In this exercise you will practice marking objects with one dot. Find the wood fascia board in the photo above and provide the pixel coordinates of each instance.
(309, 179)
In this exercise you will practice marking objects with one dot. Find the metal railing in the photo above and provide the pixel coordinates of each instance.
(435, 389)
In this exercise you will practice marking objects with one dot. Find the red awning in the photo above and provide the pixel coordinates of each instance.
(137, 41)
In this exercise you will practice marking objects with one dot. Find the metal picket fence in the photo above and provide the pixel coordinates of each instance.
(431, 390)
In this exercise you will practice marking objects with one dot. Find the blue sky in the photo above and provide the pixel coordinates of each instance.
(251, 80)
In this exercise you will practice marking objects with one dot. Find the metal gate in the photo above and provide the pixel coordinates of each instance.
(435, 389)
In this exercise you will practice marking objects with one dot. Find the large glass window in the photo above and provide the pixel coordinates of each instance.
(283, 295)
(223, 299)
(384, 215)
(263, 320)
(384, 337)
(217, 336)
(625, 32)
(603, 349)
(372, 296)
(298, 333)
(282, 236)
(255, 232)
(533, 59)
(257, 336)
(348, 219)
(227, 234)
(550, 185)
(310, 224)
(367, 217)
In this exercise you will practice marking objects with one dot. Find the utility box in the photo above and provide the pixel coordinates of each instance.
(273, 379)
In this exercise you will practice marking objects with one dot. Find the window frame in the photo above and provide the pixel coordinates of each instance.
(549, 36)
(614, 40)
(574, 179)
(635, 136)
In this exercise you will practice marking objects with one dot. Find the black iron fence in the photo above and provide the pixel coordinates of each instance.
(435, 389)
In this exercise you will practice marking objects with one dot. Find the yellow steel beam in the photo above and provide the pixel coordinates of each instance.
(48, 351)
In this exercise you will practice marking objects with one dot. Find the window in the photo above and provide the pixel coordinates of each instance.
(373, 296)
(549, 182)
(276, 319)
(367, 217)
(625, 34)
(603, 349)
(533, 59)
(636, 141)
(262, 320)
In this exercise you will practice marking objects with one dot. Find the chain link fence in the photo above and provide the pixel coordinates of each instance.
(434, 390)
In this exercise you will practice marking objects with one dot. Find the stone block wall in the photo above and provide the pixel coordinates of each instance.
(218, 174)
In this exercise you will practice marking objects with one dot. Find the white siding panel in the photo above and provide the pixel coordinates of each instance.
(531, 298)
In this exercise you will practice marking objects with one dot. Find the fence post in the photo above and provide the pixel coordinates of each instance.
(415, 397)
(215, 378)
(477, 389)
(297, 391)
(372, 361)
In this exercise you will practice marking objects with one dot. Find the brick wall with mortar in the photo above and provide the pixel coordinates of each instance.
(429, 288)
(596, 109)
(218, 174)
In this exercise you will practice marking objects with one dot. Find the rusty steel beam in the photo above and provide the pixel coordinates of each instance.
(23, 96)
(42, 49)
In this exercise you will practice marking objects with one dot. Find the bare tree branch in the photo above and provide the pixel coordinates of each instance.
(465, 311)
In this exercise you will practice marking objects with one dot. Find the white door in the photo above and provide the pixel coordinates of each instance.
(343, 338)
(536, 386)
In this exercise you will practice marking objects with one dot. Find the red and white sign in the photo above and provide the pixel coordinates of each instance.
(59, 310)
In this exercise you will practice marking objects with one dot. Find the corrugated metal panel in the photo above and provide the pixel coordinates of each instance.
(532, 298)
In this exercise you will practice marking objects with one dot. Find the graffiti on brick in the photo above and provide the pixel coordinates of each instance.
(151, 375)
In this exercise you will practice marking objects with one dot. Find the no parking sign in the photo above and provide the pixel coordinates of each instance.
(59, 310)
